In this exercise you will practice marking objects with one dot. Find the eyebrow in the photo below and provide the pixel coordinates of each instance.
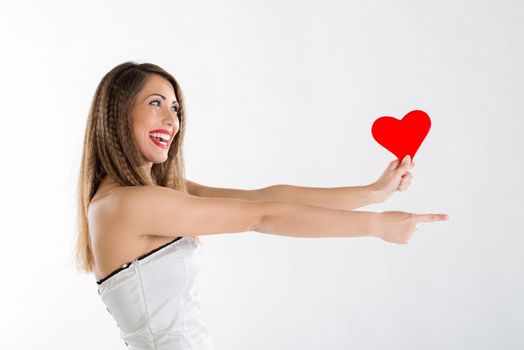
(163, 97)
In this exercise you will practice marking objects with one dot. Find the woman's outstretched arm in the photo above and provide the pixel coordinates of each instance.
(343, 198)
(162, 211)
(396, 177)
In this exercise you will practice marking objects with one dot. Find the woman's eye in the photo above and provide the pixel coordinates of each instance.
(176, 108)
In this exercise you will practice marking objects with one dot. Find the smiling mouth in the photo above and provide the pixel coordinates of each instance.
(159, 139)
(159, 142)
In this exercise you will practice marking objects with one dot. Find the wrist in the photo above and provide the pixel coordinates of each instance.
(374, 224)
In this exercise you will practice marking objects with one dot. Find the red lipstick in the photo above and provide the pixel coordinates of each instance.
(163, 131)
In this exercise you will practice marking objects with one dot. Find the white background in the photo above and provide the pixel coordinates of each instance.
(281, 92)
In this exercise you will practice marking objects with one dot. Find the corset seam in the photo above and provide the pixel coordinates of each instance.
(144, 303)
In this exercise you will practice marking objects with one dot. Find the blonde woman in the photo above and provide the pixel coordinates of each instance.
(139, 218)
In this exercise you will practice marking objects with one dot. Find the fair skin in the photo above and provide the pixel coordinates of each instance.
(155, 108)
(130, 221)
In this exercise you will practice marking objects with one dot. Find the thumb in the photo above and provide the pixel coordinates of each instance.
(405, 162)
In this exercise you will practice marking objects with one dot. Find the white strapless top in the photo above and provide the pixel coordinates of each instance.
(154, 299)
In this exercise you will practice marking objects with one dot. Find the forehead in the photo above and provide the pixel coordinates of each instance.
(155, 84)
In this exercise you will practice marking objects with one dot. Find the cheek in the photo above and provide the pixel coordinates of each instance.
(142, 117)
(143, 121)
(141, 134)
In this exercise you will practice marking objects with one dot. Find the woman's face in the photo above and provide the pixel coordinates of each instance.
(155, 119)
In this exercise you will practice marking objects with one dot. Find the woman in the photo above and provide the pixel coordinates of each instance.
(139, 218)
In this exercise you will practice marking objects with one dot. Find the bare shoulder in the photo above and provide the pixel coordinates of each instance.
(118, 204)
(115, 241)
(129, 208)
(105, 217)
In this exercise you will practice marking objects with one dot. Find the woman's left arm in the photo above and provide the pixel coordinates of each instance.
(345, 198)
(396, 177)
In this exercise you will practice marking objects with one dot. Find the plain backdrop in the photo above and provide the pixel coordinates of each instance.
(281, 92)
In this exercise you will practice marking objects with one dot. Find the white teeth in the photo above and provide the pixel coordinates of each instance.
(162, 142)
(164, 137)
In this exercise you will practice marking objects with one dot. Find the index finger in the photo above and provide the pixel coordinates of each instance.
(431, 217)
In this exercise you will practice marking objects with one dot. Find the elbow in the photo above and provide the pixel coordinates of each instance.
(256, 224)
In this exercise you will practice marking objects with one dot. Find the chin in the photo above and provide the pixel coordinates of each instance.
(159, 160)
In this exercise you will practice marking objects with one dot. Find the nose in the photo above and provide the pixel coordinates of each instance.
(170, 118)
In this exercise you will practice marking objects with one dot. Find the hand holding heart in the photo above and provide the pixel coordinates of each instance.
(396, 177)
(402, 138)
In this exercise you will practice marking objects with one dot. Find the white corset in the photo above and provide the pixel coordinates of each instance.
(154, 299)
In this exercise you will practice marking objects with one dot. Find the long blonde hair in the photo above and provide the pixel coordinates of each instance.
(111, 149)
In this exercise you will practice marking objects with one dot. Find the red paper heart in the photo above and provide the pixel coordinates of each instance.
(402, 137)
